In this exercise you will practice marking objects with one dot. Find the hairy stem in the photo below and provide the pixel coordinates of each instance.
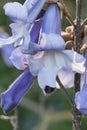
(76, 117)
(68, 16)
(64, 91)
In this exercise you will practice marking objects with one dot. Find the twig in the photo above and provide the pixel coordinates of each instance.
(51, 1)
(3, 117)
(62, 5)
(84, 23)
(65, 91)
(78, 28)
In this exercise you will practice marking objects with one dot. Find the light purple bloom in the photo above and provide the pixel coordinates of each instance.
(11, 97)
(51, 59)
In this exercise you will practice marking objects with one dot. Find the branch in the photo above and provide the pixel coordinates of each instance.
(62, 6)
(78, 32)
(84, 22)
(64, 90)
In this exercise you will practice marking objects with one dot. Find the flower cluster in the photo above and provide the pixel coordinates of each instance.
(39, 51)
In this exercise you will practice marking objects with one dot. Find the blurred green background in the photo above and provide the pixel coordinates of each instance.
(36, 111)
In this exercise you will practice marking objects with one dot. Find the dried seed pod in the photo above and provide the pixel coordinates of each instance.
(83, 48)
(84, 43)
(66, 36)
(69, 29)
(85, 29)
(69, 45)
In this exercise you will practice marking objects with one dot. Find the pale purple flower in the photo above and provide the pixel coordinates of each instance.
(11, 97)
(50, 58)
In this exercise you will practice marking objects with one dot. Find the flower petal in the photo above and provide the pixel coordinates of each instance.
(78, 64)
(70, 61)
(6, 50)
(35, 10)
(35, 31)
(66, 78)
(51, 20)
(9, 40)
(11, 97)
(47, 75)
(49, 42)
(35, 63)
(6, 53)
(16, 28)
(13, 11)
(34, 36)
(52, 42)
(18, 59)
(29, 4)
(81, 100)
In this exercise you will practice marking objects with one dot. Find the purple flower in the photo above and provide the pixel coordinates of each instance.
(11, 97)
(52, 60)
(47, 58)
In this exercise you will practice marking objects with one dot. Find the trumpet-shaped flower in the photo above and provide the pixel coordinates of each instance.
(11, 97)
(22, 21)
(46, 58)
(51, 59)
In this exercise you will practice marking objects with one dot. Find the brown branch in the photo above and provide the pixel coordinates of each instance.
(64, 91)
(78, 31)
(78, 28)
(62, 6)
(84, 22)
